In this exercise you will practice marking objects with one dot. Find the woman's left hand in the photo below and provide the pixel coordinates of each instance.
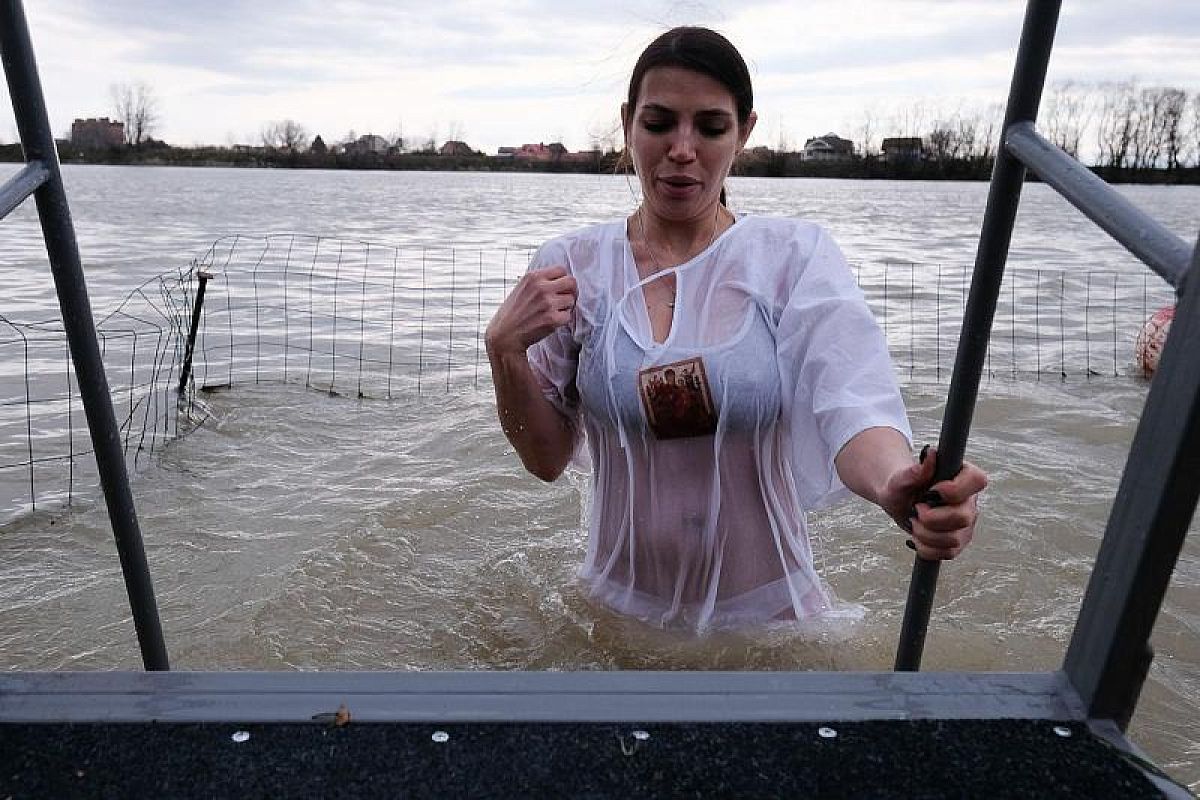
(941, 517)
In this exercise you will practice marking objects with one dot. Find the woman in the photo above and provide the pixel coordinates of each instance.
(726, 371)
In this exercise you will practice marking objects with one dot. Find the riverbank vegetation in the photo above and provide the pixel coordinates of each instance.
(758, 162)
(1130, 134)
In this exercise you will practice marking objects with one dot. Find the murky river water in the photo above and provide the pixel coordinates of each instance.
(295, 529)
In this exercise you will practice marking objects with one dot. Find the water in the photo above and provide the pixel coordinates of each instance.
(296, 530)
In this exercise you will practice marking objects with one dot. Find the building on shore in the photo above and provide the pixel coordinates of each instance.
(366, 144)
(902, 149)
(829, 147)
(456, 148)
(97, 134)
(540, 152)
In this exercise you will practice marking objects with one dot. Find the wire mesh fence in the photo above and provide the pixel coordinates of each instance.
(368, 320)
(45, 446)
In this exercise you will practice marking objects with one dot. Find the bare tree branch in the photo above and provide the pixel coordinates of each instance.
(285, 134)
(135, 105)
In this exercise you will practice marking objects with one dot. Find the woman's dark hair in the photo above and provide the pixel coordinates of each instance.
(700, 50)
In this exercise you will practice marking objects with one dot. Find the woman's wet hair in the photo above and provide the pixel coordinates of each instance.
(700, 50)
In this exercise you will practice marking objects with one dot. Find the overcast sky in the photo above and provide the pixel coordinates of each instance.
(504, 73)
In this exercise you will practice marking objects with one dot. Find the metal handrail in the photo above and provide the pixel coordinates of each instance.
(1109, 653)
(1145, 237)
(42, 178)
(1008, 174)
(16, 190)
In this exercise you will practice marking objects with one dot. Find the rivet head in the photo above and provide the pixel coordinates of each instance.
(1062, 730)
(827, 733)
(440, 737)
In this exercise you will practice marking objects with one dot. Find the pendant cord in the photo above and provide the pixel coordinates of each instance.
(650, 250)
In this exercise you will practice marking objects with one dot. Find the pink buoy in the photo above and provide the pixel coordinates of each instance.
(1152, 337)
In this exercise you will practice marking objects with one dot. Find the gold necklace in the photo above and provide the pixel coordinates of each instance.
(650, 251)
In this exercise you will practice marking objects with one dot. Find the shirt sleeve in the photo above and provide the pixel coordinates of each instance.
(555, 359)
(836, 373)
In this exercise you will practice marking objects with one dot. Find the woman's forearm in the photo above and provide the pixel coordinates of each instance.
(867, 462)
(543, 437)
(939, 517)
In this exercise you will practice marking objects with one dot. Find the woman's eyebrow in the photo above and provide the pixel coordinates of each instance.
(656, 108)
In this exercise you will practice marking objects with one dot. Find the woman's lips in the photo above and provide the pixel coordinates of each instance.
(679, 188)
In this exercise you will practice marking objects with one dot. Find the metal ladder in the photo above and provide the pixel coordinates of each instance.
(41, 178)
(1109, 652)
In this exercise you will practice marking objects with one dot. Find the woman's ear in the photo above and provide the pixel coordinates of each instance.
(744, 131)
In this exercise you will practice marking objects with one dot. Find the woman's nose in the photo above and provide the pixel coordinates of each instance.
(683, 145)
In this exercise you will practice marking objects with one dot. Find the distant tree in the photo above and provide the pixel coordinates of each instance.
(1144, 145)
(868, 134)
(136, 106)
(908, 121)
(1116, 122)
(318, 145)
(430, 144)
(1066, 113)
(1174, 134)
(990, 118)
(605, 136)
(1193, 133)
(941, 142)
(1162, 109)
(965, 134)
(285, 135)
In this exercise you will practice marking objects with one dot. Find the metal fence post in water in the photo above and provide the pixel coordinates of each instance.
(37, 141)
(1008, 173)
(197, 309)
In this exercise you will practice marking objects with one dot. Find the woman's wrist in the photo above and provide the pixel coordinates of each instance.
(501, 350)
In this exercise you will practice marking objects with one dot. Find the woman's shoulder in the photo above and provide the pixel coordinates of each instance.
(774, 232)
(783, 253)
(582, 245)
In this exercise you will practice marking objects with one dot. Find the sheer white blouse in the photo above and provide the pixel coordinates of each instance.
(707, 448)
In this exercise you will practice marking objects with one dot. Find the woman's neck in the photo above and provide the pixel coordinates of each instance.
(671, 242)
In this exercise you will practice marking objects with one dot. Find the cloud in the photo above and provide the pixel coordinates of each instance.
(230, 65)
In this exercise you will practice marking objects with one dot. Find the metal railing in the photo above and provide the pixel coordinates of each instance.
(42, 179)
(1109, 651)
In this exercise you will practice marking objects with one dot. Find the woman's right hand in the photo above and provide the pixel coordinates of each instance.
(541, 301)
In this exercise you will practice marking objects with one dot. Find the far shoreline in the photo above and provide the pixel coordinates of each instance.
(758, 163)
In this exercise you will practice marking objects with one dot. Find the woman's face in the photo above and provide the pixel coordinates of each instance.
(683, 136)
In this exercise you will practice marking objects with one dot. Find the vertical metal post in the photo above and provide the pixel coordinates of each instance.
(1109, 653)
(197, 308)
(1025, 93)
(29, 107)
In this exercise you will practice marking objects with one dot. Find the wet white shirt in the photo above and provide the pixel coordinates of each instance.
(708, 448)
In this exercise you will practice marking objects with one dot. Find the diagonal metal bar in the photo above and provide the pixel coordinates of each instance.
(17, 188)
(1147, 238)
(29, 109)
(1109, 652)
(1025, 93)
